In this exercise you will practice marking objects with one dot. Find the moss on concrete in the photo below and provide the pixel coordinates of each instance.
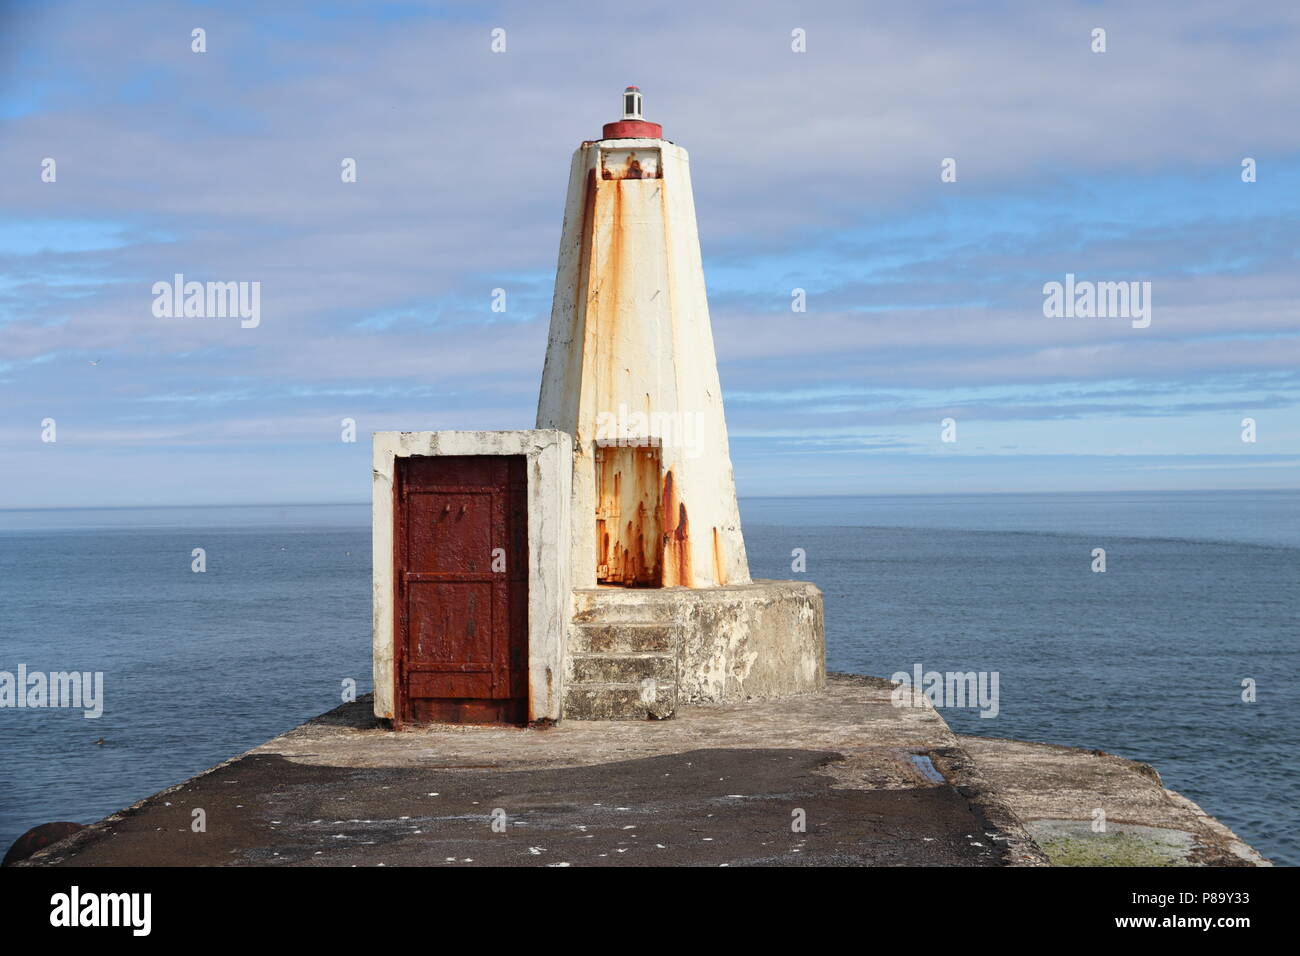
(1121, 850)
(1072, 843)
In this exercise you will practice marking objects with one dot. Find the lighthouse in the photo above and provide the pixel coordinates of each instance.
(631, 373)
(592, 567)
(665, 611)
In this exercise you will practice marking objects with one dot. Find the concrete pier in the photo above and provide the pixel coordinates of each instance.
(841, 777)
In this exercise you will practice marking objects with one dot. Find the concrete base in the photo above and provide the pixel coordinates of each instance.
(640, 653)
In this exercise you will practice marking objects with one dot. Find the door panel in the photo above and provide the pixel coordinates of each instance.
(461, 584)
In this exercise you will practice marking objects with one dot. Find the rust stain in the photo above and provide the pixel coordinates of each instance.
(719, 566)
(580, 328)
(609, 280)
(629, 523)
(602, 536)
(677, 539)
(641, 541)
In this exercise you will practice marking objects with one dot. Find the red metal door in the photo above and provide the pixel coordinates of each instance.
(461, 583)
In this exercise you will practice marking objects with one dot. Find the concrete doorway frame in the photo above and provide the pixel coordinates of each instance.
(549, 455)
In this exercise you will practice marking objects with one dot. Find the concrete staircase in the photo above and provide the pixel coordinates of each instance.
(621, 668)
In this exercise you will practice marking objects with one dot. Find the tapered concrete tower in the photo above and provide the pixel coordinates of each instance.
(631, 375)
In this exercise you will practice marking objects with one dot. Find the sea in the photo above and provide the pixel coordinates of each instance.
(1183, 653)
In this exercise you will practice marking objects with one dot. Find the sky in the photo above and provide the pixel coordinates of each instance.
(817, 170)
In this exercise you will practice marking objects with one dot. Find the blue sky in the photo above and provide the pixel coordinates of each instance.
(817, 171)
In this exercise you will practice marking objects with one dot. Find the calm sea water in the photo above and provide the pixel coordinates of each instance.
(1202, 590)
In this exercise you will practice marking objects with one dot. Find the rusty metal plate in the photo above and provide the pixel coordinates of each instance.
(631, 164)
(629, 534)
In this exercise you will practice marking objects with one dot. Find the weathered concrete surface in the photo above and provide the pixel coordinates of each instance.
(710, 645)
(1060, 791)
(715, 785)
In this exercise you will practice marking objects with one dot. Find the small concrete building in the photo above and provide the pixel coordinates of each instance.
(593, 567)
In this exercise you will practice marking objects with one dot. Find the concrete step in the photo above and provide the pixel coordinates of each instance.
(621, 701)
(623, 649)
(623, 606)
(628, 638)
(622, 668)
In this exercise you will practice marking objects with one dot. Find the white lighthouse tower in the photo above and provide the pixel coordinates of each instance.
(631, 374)
(665, 611)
